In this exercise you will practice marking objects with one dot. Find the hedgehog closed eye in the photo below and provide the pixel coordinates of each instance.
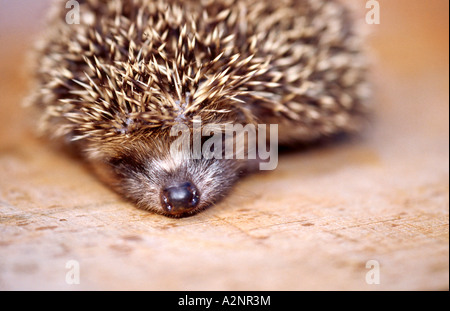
(115, 85)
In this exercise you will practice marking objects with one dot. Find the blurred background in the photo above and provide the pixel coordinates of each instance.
(312, 224)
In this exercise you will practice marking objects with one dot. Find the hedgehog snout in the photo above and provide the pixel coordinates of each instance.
(180, 199)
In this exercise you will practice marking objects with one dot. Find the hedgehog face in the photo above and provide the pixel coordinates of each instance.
(172, 184)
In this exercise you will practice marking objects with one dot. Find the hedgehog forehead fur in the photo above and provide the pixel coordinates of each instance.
(117, 82)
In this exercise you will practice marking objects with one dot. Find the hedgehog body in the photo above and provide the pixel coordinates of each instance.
(117, 82)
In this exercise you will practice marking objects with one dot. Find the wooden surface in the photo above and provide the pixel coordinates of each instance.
(311, 224)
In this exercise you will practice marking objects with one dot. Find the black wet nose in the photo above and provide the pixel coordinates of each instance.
(180, 199)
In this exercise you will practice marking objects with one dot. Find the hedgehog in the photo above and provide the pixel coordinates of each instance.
(112, 86)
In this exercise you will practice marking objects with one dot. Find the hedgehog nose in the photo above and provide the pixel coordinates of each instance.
(180, 199)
